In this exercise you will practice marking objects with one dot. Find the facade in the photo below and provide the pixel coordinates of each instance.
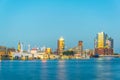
(101, 40)
(78, 49)
(61, 46)
(48, 51)
(33, 50)
(3, 50)
(103, 44)
(88, 52)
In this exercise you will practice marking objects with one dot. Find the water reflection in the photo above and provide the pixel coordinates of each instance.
(61, 70)
(103, 71)
(0, 65)
(44, 61)
(44, 73)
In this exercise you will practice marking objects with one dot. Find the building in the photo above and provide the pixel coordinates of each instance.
(48, 51)
(19, 47)
(61, 46)
(3, 50)
(78, 49)
(88, 52)
(103, 44)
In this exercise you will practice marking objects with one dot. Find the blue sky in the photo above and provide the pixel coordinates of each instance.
(42, 22)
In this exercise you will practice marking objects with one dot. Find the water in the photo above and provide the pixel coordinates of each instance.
(93, 69)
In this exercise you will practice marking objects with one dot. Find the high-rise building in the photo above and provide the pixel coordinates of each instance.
(103, 44)
(61, 46)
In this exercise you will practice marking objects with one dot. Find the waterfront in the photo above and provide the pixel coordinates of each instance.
(92, 69)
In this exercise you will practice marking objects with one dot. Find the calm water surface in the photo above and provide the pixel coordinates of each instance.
(93, 69)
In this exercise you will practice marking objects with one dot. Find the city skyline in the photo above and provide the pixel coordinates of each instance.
(43, 22)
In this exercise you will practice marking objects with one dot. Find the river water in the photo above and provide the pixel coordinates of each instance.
(92, 69)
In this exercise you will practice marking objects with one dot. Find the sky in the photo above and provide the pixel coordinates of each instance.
(43, 22)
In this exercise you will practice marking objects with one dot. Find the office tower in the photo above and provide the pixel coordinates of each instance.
(61, 46)
(103, 44)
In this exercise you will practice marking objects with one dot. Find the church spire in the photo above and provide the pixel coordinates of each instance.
(19, 47)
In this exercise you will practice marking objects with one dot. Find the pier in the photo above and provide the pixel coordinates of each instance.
(109, 55)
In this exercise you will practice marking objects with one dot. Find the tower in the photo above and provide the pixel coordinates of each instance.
(19, 47)
(80, 47)
(61, 46)
(28, 48)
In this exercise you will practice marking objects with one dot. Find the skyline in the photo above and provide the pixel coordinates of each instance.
(43, 22)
